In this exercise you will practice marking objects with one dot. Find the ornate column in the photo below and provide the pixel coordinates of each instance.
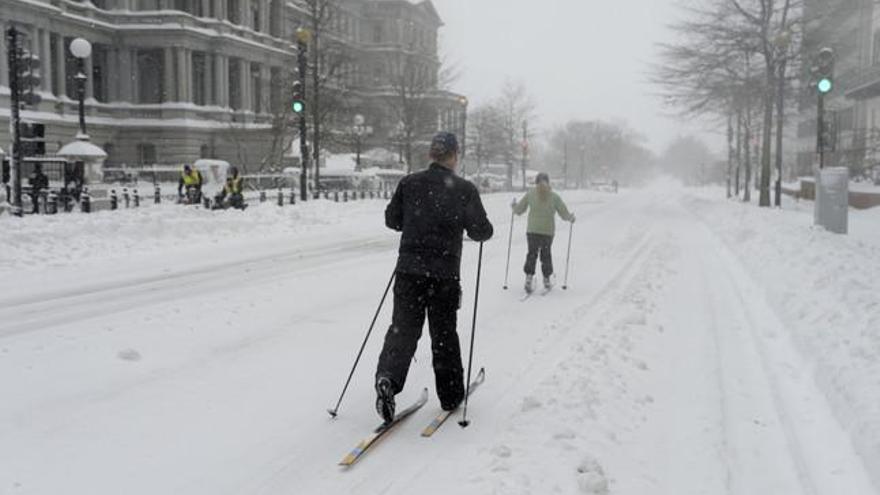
(244, 70)
(183, 75)
(61, 66)
(221, 97)
(125, 69)
(45, 58)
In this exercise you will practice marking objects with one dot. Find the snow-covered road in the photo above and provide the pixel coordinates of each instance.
(206, 369)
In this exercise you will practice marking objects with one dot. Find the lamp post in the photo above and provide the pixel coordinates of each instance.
(81, 49)
(359, 130)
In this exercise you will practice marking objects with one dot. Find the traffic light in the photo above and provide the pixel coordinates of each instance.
(299, 98)
(825, 71)
(33, 139)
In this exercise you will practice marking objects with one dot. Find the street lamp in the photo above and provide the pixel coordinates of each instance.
(81, 49)
(359, 130)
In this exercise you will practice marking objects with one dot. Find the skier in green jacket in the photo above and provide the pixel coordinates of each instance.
(542, 204)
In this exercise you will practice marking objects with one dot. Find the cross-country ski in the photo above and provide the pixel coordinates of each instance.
(441, 418)
(380, 431)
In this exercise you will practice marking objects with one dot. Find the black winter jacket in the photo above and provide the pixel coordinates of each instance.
(432, 209)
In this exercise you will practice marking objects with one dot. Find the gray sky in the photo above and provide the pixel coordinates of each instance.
(579, 58)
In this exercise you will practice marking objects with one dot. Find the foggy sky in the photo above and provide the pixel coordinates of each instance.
(579, 58)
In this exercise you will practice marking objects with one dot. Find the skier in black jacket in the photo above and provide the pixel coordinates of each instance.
(432, 209)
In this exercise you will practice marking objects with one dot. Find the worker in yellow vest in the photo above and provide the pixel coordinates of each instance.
(191, 179)
(232, 193)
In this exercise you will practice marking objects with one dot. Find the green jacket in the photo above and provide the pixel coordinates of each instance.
(542, 214)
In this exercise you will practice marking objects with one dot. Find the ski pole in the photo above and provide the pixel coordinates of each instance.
(509, 245)
(464, 422)
(333, 412)
(568, 256)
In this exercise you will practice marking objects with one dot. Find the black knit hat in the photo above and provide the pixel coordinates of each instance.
(444, 144)
(542, 177)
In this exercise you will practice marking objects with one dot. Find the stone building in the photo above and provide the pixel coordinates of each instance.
(170, 81)
(852, 30)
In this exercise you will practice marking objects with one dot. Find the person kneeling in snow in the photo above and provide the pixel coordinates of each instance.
(543, 205)
(231, 194)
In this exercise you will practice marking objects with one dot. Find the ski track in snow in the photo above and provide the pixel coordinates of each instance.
(662, 370)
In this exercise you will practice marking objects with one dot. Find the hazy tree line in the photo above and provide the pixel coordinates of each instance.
(736, 62)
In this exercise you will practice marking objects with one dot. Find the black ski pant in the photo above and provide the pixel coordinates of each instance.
(414, 297)
(539, 245)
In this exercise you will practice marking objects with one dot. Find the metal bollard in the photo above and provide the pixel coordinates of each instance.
(137, 199)
(86, 201)
(280, 198)
(52, 203)
(345, 196)
(114, 200)
(292, 196)
(363, 194)
(157, 195)
(126, 198)
(371, 194)
(262, 196)
(336, 196)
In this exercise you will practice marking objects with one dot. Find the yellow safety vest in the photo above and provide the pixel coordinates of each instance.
(233, 185)
(193, 179)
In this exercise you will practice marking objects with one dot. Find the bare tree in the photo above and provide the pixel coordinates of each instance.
(516, 107)
(416, 82)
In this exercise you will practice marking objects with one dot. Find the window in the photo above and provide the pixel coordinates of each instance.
(110, 150)
(100, 72)
(275, 89)
(255, 16)
(150, 71)
(232, 12)
(146, 153)
(200, 78)
(234, 84)
(378, 33)
(256, 88)
(876, 55)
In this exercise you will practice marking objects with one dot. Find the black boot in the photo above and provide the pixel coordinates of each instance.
(385, 399)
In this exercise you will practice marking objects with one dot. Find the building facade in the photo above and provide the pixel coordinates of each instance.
(852, 29)
(171, 81)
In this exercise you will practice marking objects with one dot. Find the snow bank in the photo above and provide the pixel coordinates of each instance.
(66, 239)
(826, 288)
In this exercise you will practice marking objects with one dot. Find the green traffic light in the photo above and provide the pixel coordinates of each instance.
(824, 86)
(298, 106)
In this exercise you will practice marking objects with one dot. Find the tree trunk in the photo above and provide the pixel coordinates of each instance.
(766, 139)
(747, 192)
(739, 141)
(730, 152)
(780, 128)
